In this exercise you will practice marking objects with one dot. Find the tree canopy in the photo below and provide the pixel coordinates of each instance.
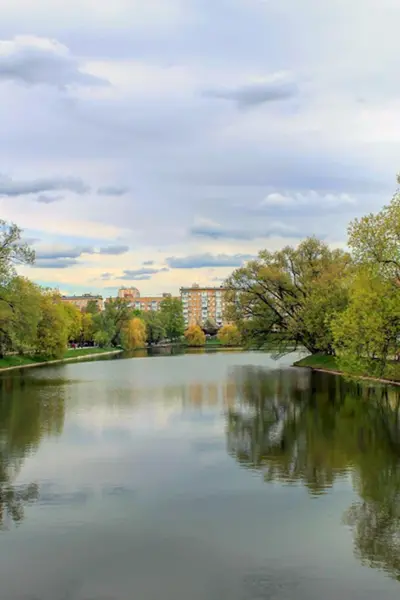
(291, 293)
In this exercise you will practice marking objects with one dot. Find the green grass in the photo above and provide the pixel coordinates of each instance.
(213, 342)
(15, 360)
(318, 361)
(330, 363)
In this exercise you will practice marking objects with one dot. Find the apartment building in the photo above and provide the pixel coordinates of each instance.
(81, 302)
(202, 303)
(128, 293)
(143, 303)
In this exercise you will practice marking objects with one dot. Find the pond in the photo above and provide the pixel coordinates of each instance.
(197, 477)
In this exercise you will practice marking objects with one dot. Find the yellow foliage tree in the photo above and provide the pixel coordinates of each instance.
(229, 335)
(195, 336)
(134, 334)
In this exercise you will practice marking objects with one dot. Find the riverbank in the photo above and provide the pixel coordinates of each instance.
(328, 364)
(15, 361)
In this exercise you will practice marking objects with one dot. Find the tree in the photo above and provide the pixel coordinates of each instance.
(19, 315)
(87, 328)
(134, 334)
(172, 317)
(102, 339)
(229, 335)
(116, 315)
(12, 251)
(92, 308)
(195, 337)
(375, 239)
(366, 334)
(291, 294)
(52, 334)
(210, 327)
(74, 322)
(155, 330)
(17, 295)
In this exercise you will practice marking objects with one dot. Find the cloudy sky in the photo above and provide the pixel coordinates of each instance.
(156, 143)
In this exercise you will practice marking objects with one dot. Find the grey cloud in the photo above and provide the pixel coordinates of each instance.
(257, 93)
(139, 274)
(112, 190)
(36, 61)
(214, 231)
(9, 187)
(46, 199)
(66, 253)
(199, 261)
(65, 257)
(30, 241)
(114, 250)
(148, 263)
(106, 276)
(217, 232)
(57, 263)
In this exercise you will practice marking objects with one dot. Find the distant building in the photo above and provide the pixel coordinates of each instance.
(81, 302)
(203, 303)
(143, 303)
(128, 293)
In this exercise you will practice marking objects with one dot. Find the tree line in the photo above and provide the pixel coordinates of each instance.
(338, 302)
(37, 322)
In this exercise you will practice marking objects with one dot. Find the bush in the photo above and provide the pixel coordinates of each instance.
(229, 335)
(195, 337)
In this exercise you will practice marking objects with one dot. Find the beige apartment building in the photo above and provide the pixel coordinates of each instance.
(143, 303)
(81, 302)
(202, 303)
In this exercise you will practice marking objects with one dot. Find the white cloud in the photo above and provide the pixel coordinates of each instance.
(275, 171)
(311, 198)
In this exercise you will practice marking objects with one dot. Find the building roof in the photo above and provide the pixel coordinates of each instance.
(83, 297)
(203, 288)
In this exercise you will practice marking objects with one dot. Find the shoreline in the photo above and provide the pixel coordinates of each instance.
(343, 374)
(44, 363)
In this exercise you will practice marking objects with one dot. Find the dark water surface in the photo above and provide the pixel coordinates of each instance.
(197, 477)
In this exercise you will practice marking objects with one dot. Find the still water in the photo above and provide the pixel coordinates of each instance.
(197, 477)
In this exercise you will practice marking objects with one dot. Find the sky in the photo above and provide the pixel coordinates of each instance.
(160, 143)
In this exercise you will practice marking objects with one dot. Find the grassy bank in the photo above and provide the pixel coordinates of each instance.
(318, 361)
(324, 362)
(15, 360)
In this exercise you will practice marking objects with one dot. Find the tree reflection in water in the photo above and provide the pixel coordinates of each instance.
(297, 426)
(30, 409)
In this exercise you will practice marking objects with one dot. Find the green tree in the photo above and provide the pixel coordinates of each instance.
(13, 251)
(195, 337)
(155, 330)
(87, 328)
(229, 335)
(92, 308)
(19, 315)
(366, 334)
(15, 318)
(52, 337)
(374, 239)
(172, 317)
(291, 294)
(115, 316)
(102, 339)
(74, 322)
